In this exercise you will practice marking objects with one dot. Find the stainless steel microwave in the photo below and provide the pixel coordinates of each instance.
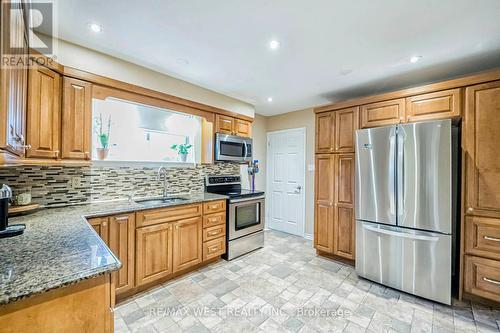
(232, 148)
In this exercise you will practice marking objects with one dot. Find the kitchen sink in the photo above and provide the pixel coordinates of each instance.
(158, 201)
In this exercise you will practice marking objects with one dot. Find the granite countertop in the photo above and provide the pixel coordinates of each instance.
(59, 247)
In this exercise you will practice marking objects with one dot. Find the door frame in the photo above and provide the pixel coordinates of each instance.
(303, 131)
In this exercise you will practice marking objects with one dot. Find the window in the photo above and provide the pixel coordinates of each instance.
(126, 131)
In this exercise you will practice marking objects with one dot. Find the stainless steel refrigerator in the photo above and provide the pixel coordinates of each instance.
(406, 179)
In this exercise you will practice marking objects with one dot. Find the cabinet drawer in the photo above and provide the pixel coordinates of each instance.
(437, 105)
(214, 248)
(383, 113)
(162, 215)
(214, 232)
(214, 219)
(482, 277)
(214, 207)
(482, 236)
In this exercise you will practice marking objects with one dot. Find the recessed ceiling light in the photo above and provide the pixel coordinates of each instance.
(95, 27)
(415, 59)
(274, 44)
(269, 99)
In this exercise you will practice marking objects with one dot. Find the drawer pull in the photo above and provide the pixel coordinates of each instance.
(491, 281)
(213, 233)
(216, 248)
(492, 238)
(121, 219)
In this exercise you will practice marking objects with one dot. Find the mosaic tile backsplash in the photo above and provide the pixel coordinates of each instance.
(61, 186)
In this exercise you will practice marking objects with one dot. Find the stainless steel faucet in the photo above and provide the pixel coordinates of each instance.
(162, 171)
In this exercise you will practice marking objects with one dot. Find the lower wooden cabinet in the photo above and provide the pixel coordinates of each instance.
(324, 201)
(101, 226)
(122, 244)
(187, 243)
(153, 253)
(482, 277)
(214, 248)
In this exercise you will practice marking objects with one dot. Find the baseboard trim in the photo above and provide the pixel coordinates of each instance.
(308, 236)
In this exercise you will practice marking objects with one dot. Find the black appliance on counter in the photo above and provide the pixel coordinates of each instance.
(245, 216)
(7, 230)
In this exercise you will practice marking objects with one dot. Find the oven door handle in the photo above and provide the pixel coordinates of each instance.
(247, 199)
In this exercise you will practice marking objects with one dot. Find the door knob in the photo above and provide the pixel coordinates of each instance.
(298, 189)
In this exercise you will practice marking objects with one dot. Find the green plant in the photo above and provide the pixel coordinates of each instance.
(182, 149)
(101, 135)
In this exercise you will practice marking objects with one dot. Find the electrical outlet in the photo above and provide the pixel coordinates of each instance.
(75, 182)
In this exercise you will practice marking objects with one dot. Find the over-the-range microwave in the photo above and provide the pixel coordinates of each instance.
(232, 148)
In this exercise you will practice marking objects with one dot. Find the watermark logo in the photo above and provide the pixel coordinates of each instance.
(29, 37)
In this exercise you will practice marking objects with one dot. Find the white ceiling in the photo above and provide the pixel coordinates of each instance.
(330, 49)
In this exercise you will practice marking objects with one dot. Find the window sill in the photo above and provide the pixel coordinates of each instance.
(151, 164)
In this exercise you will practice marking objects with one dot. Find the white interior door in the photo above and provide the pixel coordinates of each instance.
(285, 181)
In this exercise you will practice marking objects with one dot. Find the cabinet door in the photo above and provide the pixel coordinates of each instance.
(439, 105)
(225, 124)
(243, 128)
(13, 80)
(482, 151)
(101, 226)
(187, 243)
(344, 225)
(122, 243)
(325, 127)
(383, 113)
(324, 200)
(44, 117)
(346, 124)
(153, 253)
(76, 119)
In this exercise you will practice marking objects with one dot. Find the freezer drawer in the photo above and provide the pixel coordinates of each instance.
(416, 262)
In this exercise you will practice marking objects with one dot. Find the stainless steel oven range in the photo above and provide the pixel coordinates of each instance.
(245, 216)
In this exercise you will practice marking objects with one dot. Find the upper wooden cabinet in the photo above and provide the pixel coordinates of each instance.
(188, 242)
(232, 126)
(383, 113)
(437, 105)
(482, 151)
(324, 203)
(76, 119)
(122, 243)
(153, 253)
(13, 80)
(344, 225)
(346, 124)
(325, 133)
(44, 113)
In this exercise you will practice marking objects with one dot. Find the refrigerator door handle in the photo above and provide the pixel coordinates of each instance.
(400, 234)
(392, 171)
(400, 172)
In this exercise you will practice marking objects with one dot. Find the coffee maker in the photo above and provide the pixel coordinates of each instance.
(7, 230)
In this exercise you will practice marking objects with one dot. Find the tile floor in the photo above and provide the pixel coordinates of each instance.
(285, 287)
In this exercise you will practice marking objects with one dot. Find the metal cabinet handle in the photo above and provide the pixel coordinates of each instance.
(491, 281)
(492, 238)
(214, 248)
(121, 219)
(104, 224)
(213, 233)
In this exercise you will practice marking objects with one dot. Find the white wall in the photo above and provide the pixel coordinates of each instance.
(79, 57)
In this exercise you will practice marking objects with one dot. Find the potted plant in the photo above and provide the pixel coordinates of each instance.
(182, 150)
(103, 138)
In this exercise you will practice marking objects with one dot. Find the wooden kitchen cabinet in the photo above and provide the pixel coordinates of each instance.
(44, 113)
(325, 133)
(233, 126)
(383, 113)
(482, 151)
(153, 253)
(344, 225)
(101, 226)
(437, 105)
(482, 236)
(188, 240)
(13, 80)
(482, 277)
(346, 124)
(122, 244)
(324, 203)
(76, 119)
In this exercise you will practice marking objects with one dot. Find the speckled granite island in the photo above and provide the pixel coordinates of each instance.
(61, 249)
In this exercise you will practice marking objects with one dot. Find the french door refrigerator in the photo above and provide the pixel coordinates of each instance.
(406, 178)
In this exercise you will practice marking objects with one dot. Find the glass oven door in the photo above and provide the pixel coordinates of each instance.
(245, 217)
